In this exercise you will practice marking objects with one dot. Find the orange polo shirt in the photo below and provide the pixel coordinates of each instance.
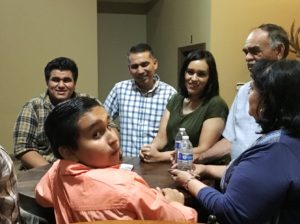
(79, 193)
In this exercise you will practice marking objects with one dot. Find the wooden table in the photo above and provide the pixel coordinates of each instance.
(156, 174)
(27, 180)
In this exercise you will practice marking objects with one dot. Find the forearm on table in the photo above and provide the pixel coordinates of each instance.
(33, 159)
(166, 156)
(199, 150)
(217, 151)
(215, 171)
(194, 186)
(159, 143)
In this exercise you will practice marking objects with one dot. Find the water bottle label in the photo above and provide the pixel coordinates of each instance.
(185, 161)
(185, 156)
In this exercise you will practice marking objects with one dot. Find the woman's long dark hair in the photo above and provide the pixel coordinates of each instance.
(212, 87)
(278, 86)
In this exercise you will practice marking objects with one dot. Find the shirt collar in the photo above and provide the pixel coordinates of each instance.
(48, 102)
(156, 84)
(73, 168)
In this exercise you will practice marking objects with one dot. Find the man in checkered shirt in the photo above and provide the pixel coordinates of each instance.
(139, 102)
(31, 145)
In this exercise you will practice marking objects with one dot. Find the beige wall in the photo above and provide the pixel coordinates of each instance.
(222, 25)
(33, 32)
(170, 25)
(117, 32)
(231, 22)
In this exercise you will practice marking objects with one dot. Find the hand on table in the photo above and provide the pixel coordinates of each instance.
(150, 154)
(173, 157)
(199, 169)
(172, 195)
(181, 176)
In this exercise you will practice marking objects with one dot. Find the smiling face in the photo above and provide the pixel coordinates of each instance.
(61, 85)
(196, 77)
(142, 66)
(97, 145)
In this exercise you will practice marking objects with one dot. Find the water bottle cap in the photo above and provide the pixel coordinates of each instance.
(181, 129)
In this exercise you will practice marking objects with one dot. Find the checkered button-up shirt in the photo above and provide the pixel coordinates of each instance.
(29, 134)
(139, 113)
(9, 201)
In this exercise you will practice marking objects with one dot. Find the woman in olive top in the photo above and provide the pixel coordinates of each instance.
(198, 108)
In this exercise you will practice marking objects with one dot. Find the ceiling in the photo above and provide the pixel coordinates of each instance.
(125, 6)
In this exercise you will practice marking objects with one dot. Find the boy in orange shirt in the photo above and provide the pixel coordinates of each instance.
(86, 184)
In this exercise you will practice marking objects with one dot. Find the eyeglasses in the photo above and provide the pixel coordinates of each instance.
(143, 65)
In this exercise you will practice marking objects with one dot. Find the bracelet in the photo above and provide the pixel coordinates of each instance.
(186, 184)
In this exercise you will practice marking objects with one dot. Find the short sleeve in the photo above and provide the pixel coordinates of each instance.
(217, 108)
(173, 102)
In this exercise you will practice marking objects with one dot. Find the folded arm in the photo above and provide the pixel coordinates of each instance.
(31, 159)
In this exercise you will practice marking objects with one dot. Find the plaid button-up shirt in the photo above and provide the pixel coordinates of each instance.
(139, 113)
(29, 133)
(9, 201)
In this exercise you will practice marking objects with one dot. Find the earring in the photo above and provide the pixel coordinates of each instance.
(261, 110)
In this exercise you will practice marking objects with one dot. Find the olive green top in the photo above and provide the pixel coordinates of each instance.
(192, 122)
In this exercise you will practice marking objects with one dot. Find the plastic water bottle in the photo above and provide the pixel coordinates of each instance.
(185, 154)
(178, 139)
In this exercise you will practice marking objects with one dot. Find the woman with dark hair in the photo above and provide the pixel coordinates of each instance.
(263, 184)
(197, 108)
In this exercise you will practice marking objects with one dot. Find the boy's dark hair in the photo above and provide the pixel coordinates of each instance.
(212, 86)
(61, 124)
(62, 64)
(277, 83)
(140, 48)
